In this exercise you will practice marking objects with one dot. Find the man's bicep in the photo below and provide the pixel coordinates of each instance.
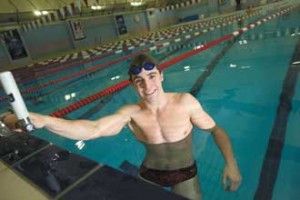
(110, 125)
(199, 117)
(202, 119)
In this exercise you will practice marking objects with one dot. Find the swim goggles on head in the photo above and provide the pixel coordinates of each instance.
(135, 70)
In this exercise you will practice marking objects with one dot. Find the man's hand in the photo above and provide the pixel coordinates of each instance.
(232, 174)
(11, 121)
(37, 120)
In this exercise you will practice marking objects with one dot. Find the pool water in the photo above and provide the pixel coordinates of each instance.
(246, 93)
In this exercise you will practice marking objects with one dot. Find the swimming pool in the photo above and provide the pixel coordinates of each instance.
(248, 91)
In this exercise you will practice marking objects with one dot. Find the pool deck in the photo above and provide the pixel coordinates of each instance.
(33, 169)
(14, 187)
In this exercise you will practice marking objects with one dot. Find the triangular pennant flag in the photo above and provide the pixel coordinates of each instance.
(66, 11)
(24, 27)
(55, 15)
(86, 2)
(38, 22)
(74, 9)
(29, 27)
(69, 8)
(33, 24)
(62, 13)
(43, 20)
(78, 5)
(49, 18)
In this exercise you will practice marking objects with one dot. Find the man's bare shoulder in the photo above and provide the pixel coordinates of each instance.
(188, 101)
(129, 109)
(184, 98)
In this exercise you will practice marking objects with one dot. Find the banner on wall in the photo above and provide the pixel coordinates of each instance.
(77, 31)
(14, 44)
(121, 26)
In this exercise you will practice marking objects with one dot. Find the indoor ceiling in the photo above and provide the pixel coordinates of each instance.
(13, 12)
(13, 6)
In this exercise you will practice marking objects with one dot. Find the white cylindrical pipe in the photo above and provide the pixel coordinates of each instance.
(12, 91)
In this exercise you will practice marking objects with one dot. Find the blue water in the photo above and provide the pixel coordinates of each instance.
(242, 94)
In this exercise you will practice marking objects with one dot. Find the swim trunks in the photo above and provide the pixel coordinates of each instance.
(168, 178)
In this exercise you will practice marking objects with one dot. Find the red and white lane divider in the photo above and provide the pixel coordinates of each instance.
(97, 67)
(130, 43)
(166, 64)
(123, 84)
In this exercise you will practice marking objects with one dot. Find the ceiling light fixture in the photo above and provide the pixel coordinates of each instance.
(136, 3)
(45, 12)
(97, 7)
(39, 13)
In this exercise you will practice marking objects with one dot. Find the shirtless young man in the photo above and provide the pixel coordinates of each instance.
(163, 123)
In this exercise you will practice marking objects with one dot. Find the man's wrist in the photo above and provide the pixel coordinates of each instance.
(231, 162)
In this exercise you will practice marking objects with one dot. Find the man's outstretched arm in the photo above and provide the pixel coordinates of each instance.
(81, 129)
(75, 129)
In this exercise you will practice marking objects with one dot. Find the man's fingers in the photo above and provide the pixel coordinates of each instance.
(224, 183)
(234, 185)
(231, 184)
(18, 130)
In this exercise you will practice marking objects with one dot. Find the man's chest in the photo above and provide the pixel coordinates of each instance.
(167, 125)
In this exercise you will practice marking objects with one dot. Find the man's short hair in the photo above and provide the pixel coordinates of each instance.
(140, 60)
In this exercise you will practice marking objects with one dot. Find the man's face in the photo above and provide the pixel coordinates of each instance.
(148, 83)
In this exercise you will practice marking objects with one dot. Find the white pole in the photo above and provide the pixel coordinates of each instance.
(12, 91)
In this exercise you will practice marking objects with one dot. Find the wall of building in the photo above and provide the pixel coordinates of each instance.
(56, 38)
(4, 59)
(48, 39)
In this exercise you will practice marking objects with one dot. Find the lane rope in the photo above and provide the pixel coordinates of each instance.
(121, 85)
